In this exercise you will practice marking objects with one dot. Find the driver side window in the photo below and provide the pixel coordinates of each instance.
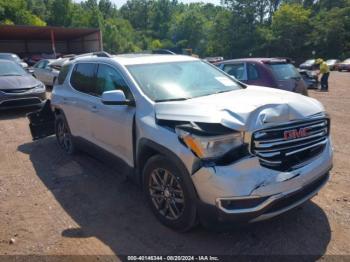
(108, 79)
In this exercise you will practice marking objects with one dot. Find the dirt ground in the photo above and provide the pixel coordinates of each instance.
(51, 203)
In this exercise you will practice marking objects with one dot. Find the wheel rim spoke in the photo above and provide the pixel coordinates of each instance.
(172, 211)
(166, 194)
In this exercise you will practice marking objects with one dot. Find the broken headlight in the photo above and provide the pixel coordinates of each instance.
(210, 147)
(39, 88)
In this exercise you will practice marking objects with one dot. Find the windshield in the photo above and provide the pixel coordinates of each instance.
(11, 69)
(347, 61)
(331, 61)
(284, 71)
(181, 80)
(310, 62)
(11, 57)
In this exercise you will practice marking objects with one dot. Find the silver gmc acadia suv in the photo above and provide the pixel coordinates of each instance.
(204, 146)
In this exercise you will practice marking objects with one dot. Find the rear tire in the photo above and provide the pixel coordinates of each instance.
(63, 135)
(170, 193)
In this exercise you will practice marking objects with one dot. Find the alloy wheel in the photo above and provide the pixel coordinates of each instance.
(63, 135)
(166, 194)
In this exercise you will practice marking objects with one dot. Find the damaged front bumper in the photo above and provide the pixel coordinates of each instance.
(246, 191)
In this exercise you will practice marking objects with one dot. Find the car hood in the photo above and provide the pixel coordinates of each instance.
(15, 82)
(243, 110)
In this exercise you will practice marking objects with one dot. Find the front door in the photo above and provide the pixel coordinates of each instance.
(111, 125)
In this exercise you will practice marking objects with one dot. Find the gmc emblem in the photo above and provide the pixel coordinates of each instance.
(296, 133)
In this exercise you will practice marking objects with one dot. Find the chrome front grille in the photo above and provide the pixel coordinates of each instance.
(286, 146)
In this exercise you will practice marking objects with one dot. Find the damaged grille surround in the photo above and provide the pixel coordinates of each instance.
(289, 146)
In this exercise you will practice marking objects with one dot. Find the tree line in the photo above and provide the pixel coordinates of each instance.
(236, 28)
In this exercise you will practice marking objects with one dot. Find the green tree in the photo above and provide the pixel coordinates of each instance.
(330, 36)
(119, 36)
(289, 31)
(60, 12)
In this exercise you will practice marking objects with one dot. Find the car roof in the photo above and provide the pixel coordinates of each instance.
(137, 59)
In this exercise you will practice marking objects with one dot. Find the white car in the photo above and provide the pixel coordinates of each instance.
(43, 71)
(204, 146)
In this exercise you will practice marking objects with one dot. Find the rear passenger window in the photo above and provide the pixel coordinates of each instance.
(63, 74)
(83, 77)
(109, 79)
(236, 70)
(253, 73)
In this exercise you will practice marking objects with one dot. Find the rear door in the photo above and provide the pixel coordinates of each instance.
(254, 75)
(77, 105)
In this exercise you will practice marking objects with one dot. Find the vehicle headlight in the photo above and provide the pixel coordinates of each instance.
(39, 87)
(211, 147)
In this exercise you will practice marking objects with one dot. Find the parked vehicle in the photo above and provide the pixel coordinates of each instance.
(18, 88)
(343, 66)
(309, 65)
(310, 78)
(201, 144)
(214, 59)
(35, 58)
(332, 64)
(14, 58)
(45, 72)
(268, 72)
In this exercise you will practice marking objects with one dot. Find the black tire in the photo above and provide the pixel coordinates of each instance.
(177, 181)
(63, 135)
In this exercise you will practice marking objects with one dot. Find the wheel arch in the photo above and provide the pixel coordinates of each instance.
(148, 148)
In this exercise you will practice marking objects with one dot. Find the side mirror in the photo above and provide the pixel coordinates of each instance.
(116, 97)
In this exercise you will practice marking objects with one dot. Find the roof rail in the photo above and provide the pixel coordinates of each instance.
(98, 54)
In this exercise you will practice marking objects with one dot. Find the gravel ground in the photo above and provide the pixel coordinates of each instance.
(51, 203)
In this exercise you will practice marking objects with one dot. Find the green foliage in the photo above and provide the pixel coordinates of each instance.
(119, 36)
(15, 11)
(290, 28)
(237, 28)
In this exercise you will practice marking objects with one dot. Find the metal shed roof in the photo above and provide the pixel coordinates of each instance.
(24, 32)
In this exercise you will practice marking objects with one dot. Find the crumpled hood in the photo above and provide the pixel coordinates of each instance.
(14, 82)
(243, 110)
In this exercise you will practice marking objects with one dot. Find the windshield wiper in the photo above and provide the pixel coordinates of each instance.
(171, 99)
(223, 91)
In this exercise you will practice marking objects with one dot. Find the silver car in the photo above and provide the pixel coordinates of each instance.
(18, 88)
(203, 146)
(45, 72)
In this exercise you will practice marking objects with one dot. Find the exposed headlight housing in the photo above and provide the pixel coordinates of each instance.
(39, 87)
(211, 147)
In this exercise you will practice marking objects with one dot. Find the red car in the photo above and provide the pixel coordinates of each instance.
(343, 66)
(270, 72)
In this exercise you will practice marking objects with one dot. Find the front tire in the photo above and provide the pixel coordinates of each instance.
(170, 193)
(63, 135)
